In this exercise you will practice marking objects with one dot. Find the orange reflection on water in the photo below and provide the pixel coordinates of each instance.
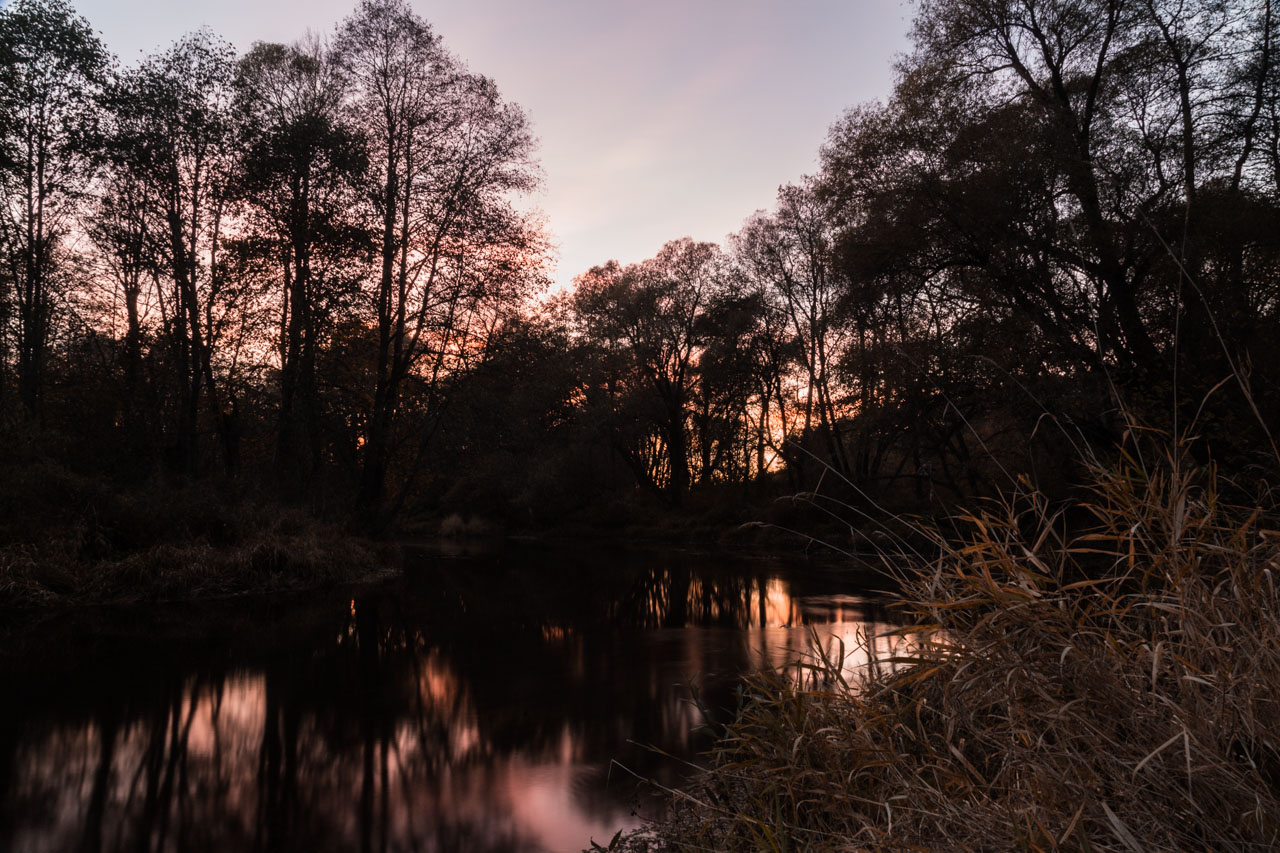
(224, 763)
(774, 604)
(381, 730)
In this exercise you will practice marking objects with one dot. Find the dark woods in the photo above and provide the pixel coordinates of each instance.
(272, 268)
(306, 273)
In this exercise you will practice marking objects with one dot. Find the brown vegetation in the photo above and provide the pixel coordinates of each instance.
(1111, 690)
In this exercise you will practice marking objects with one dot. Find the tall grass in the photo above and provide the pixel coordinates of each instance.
(1112, 683)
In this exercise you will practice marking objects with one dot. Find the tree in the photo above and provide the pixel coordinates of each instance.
(51, 80)
(446, 155)
(647, 322)
(172, 140)
(1141, 116)
(734, 374)
(1079, 186)
(119, 226)
(513, 446)
(789, 257)
(301, 161)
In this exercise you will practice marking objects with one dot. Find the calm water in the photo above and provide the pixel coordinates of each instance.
(499, 703)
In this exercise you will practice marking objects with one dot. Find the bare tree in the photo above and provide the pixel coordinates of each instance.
(173, 140)
(790, 257)
(446, 156)
(299, 173)
(648, 319)
(51, 80)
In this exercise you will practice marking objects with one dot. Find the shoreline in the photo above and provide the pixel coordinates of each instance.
(323, 557)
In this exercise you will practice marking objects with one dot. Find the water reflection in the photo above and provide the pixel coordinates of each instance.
(476, 705)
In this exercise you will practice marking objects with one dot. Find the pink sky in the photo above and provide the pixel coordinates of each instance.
(657, 120)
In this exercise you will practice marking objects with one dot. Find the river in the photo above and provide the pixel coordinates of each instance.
(507, 701)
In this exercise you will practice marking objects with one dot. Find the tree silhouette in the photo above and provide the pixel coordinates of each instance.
(445, 154)
(51, 80)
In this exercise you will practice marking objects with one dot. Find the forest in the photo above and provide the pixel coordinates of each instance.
(309, 277)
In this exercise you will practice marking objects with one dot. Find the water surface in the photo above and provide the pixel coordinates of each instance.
(498, 703)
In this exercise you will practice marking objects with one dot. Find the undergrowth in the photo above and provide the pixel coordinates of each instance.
(1106, 685)
(79, 542)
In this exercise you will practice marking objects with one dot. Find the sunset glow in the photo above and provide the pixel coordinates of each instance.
(655, 120)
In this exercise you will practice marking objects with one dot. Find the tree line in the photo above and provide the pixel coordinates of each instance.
(309, 265)
(316, 236)
(1061, 222)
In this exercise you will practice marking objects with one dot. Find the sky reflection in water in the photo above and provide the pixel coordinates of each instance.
(478, 705)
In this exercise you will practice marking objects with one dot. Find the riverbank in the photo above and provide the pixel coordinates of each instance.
(71, 540)
(263, 563)
(1111, 690)
(178, 545)
(759, 521)
(68, 540)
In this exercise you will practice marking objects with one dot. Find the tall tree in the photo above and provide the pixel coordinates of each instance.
(173, 140)
(446, 155)
(1140, 116)
(648, 321)
(51, 79)
(1071, 192)
(789, 257)
(731, 406)
(119, 228)
(300, 165)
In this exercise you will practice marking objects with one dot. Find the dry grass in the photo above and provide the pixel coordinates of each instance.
(1117, 689)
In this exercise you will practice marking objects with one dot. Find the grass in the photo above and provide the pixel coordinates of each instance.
(1111, 682)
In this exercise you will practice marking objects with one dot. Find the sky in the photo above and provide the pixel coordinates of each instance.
(657, 120)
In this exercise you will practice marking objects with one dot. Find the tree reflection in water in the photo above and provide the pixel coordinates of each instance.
(474, 705)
